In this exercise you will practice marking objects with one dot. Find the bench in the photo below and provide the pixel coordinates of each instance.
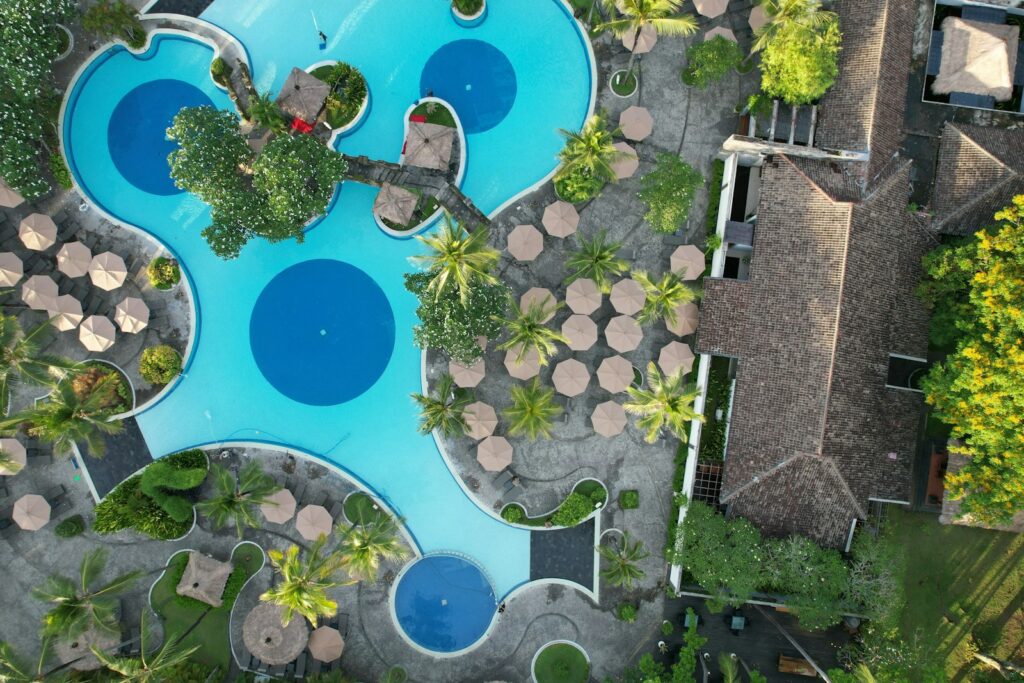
(797, 666)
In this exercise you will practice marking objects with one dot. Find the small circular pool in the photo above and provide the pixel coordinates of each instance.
(444, 603)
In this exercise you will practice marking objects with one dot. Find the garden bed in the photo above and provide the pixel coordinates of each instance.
(122, 400)
(712, 439)
(348, 92)
(561, 663)
(576, 507)
(361, 509)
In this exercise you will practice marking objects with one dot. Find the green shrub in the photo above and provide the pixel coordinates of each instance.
(573, 510)
(220, 71)
(798, 66)
(668, 191)
(348, 91)
(194, 457)
(513, 514)
(468, 7)
(667, 628)
(163, 272)
(159, 364)
(626, 612)
(233, 587)
(127, 507)
(578, 186)
(629, 499)
(714, 195)
(60, 171)
(160, 478)
(95, 371)
(813, 579)
(72, 526)
(710, 61)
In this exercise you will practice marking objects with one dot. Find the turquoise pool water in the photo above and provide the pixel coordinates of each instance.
(246, 379)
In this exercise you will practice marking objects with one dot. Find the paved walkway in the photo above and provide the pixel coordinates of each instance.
(126, 454)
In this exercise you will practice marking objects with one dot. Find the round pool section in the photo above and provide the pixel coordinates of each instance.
(444, 603)
(137, 132)
(476, 78)
(322, 332)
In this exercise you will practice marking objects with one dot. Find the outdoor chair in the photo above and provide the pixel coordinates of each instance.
(39, 460)
(277, 671)
(313, 666)
(246, 661)
(299, 491)
(503, 477)
(318, 498)
(510, 485)
(336, 511)
(55, 493)
(61, 507)
(7, 528)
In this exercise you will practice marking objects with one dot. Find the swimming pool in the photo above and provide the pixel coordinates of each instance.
(281, 329)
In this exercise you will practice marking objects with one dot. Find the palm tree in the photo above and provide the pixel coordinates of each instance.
(8, 464)
(265, 112)
(527, 331)
(365, 544)
(596, 259)
(631, 16)
(786, 16)
(729, 667)
(623, 561)
(533, 410)
(237, 499)
(457, 258)
(445, 410)
(13, 669)
(21, 361)
(663, 297)
(68, 416)
(590, 151)
(667, 402)
(305, 580)
(81, 605)
(148, 667)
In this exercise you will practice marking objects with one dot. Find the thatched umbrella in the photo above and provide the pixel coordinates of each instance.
(204, 579)
(38, 232)
(266, 636)
(74, 259)
(636, 123)
(608, 419)
(467, 376)
(581, 332)
(525, 242)
(77, 651)
(395, 203)
(583, 296)
(303, 95)
(623, 334)
(429, 145)
(481, 420)
(687, 316)
(675, 356)
(11, 269)
(570, 377)
(615, 374)
(494, 453)
(628, 296)
(560, 219)
(526, 368)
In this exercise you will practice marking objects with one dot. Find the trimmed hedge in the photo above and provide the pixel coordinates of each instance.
(160, 478)
(160, 364)
(70, 527)
(163, 272)
(629, 499)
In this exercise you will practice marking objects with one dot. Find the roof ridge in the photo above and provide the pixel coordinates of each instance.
(758, 478)
(981, 147)
(873, 109)
(969, 206)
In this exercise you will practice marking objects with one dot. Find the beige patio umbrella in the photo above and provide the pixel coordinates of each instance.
(615, 374)
(623, 334)
(636, 123)
(526, 368)
(581, 332)
(77, 652)
(687, 316)
(608, 418)
(494, 453)
(395, 203)
(570, 377)
(132, 315)
(711, 8)
(107, 271)
(539, 296)
(560, 219)
(583, 296)
(644, 43)
(9, 199)
(628, 296)
(279, 507)
(429, 145)
(97, 333)
(31, 512)
(74, 259)
(15, 450)
(467, 376)
(11, 269)
(326, 644)
(67, 314)
(758, 18)
(481, 420)
(313, 521)
(525, 242)
(38, 232)
(675, 356)
(626, 165)
(204, 579)
(40, 293)
(266, 636)
(688, 261)
(720, 31)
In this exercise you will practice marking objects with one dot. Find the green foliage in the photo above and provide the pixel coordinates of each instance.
(589, 153)
(668, 191)
(533, 410)
(60, 171)
(665, 403)
(813, 579)
(22, 360)
(444, 410)
(163, 272)
(710, 61)
(877, 573)
(596, 259)
(70, 527)
(667, 628)
(578, 185)
(629, 499)
(468, 7)
(574, 509)
(365, 545)
(159, 364)
(448, 325)
(714, 198)
(626, 612)
(622, 561)
(686, 665)
(304, 581)
(115, 19)
(513, 514)
(561, 663)
(799, 51)
(348, 90)
(528, 331)
(236, 498)
(457, 259)
(297, 174)
(162, 477)
(663, 297)
(220, 70)
(712, 437)
(724, 556)
(263, 111)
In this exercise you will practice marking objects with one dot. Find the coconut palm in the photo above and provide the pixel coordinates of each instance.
(70, 415)
(364, 545)
(83, 603)
(444, 410)
(21, 360)
(304, 581)
(663, 297)
(729, 667)
(526, 330)
(596, 259)
(786, 16)
(14, 669)
(8, 463)
(149, 667)
(591, 151)
(237, 499)
(533, 410)
(265, 112)
(631, 16)
(457, 258)
(623, 561)
(667, 403)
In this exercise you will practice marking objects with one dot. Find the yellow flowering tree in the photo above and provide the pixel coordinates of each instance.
(976, 291)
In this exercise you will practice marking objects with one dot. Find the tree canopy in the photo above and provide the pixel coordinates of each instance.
(799, 50)
(668, 191)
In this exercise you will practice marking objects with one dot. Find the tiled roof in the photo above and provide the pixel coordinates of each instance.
(830, 296)
(980, 169)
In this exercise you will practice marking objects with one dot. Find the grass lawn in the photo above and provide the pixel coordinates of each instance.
(965, 593)
(359, 507)
(211, 635)
(561, 663)
(440, 114)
